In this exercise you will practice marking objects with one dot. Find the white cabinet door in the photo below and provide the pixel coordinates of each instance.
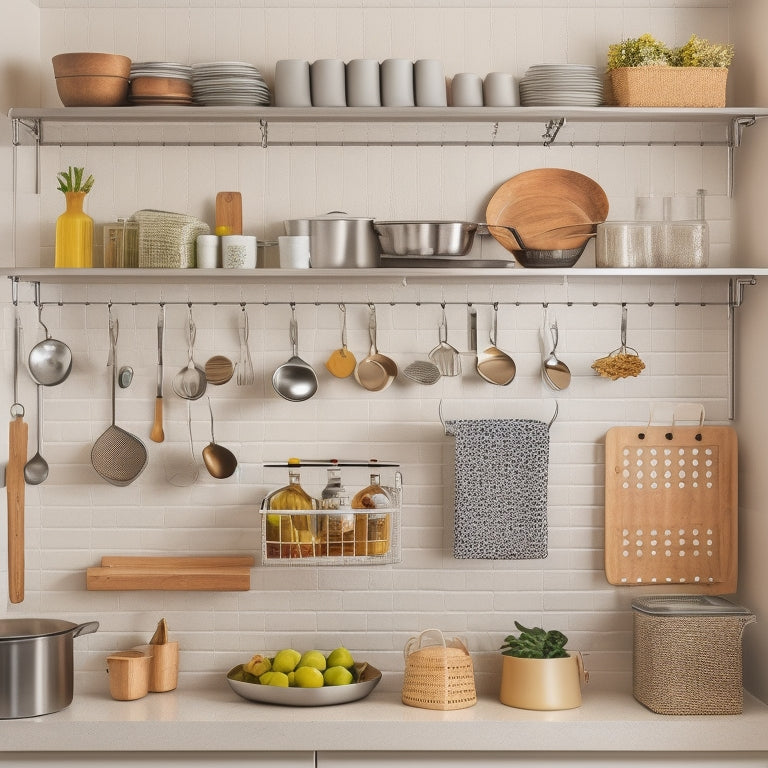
(539, 760)
(158, 759)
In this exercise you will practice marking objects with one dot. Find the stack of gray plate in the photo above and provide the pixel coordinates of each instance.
(228, 83)
(564, 85)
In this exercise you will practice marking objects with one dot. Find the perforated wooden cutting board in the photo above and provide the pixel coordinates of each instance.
(671, 507)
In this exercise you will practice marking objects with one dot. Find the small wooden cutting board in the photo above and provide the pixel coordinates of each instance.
(229, 213)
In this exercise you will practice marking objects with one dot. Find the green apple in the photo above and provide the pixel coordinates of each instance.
(312, 659)
(308, 677)
(286, 660)
(337, 676)
(340, 657)
(279, 679)
(266, 677)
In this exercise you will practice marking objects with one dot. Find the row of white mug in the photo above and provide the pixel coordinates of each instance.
(391, 83)
(241, 251)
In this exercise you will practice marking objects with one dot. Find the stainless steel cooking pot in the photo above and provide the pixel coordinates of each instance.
(338, 241)
(425, 238)
(36, 665)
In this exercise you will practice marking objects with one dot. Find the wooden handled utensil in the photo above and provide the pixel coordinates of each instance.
(18, 435)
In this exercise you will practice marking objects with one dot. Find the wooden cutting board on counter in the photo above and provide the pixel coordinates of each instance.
(671, 507)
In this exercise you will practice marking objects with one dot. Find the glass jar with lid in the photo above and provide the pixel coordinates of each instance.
(291, 535)
(337, 531)
(372, 528)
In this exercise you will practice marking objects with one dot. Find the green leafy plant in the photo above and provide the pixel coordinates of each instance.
(71, 180)
(535, 643)
(643, 51)
(701, 53)
(646, 51)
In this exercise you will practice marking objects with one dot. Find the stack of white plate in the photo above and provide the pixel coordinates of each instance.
(228, 83)
(565, 85)
(160, 82)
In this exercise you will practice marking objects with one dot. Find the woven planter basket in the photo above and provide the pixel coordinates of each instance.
(438, 676)
(669, 86)
(168, 240)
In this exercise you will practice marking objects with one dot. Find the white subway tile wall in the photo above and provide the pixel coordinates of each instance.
(679, 327)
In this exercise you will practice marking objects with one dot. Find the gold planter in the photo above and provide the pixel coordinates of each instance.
(669, 86)
(542, 684)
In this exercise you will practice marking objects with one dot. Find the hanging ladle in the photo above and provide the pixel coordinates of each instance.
(493, 365)
(190, 382)
(219, 461)
(295, 379)
(553, 370)
(36, 469)
(50, 360)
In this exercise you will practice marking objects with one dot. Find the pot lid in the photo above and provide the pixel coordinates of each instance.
(688, 605)
(21, 629)
(337, 216)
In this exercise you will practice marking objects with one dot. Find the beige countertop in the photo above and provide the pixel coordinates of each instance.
(203, 713)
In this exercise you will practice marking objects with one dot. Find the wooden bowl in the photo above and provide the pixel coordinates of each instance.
(173, 87)
(92, 90)
(70, 64)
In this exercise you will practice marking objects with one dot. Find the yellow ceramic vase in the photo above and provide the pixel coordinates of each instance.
(74, 234)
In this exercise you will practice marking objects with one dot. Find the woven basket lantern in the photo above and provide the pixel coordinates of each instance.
(438, 676)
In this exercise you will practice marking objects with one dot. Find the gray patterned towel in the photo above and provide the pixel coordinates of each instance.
(501, 488)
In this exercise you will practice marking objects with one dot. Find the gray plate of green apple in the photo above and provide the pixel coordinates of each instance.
(365, 679)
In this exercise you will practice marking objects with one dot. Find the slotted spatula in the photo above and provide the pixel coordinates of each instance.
(445, 356)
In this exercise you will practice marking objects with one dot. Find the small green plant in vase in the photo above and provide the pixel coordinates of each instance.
(74, 228)
(538, 672)
(535, 643)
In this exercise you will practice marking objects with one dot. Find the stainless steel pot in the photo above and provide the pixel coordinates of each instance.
(338, 241)
(425, 238)
(36, 665)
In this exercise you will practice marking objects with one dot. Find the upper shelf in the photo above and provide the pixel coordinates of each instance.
(376, 125)
(396, 275)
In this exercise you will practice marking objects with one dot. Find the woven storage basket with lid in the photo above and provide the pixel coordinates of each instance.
(168, 240)
(687, 656)
(438, 675)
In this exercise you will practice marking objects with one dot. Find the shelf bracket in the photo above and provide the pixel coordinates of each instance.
(736, 287)
(264, 126)
(551, 129)
(33, 127)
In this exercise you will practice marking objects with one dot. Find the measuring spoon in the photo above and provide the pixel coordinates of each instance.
(342, 362)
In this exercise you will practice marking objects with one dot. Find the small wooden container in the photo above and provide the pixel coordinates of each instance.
(129, 673)
(164, 670)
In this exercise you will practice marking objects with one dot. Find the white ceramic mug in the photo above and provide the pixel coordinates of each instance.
(238, 252)
(292, 83)
(207, 252)
(500, 90)
(294, 251)
(429, 83)
(397, 83)
(327, 78)
(467, 90)
(363, 83)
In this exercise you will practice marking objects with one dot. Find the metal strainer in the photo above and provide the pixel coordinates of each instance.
(118, 456)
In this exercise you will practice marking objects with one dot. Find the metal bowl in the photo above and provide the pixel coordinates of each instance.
(558, 257)
(425, 238)
(307, 697)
